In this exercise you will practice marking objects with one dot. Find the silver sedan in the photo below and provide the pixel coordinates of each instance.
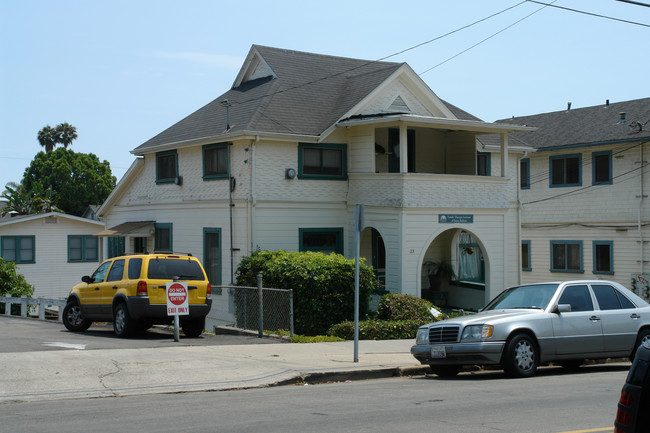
(525, 326)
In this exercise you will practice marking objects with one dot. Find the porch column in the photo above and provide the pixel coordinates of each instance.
(403, 148)
(504, 154)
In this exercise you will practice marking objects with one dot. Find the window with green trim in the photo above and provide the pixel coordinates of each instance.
(322, 161)
(566, 170)
(524, 173)
(83, 248)
(163, 237)
(166, 166)
(566, 256)
(18, 249)
(483, 164)
(601, 167)
(525, 256)
(325, 240)
(603, 257)
(215, 161)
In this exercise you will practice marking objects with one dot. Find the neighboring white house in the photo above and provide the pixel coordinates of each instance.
(281, 159)
(584, 193)
(51, 250)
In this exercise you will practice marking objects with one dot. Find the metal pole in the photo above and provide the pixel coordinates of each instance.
(291, 311)
(358, 226)
(176, 326)
(260, 321)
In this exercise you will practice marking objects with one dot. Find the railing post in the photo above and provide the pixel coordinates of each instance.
(291, 311)
(260, 321)
(8, 305)
(41, 310)
(23, 306)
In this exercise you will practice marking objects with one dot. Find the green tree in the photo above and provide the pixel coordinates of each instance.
(47, 137)
(77, 179)
(13, 284)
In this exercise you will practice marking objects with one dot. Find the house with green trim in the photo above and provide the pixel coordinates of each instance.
(51, 250)
(281, 159)
(584, 191)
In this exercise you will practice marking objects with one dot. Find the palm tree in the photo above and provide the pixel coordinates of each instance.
(66, 134)
(48, 137)
(18, 199)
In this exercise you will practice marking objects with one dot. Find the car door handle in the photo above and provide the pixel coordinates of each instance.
(634, 316)
(594, 318)
(96, 288)
(114, 287)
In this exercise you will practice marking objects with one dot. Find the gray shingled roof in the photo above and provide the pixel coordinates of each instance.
(585, 126)
(311, 92)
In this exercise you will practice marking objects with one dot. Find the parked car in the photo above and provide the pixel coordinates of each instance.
(633, 414)
(130, 291)
(525, 326)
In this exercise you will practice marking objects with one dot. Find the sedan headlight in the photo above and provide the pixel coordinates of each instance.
(476, 332)
(423, 336)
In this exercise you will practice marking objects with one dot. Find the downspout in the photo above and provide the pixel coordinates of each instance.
(519, 206)
(252, 225)
(641, 197)
(231, 205)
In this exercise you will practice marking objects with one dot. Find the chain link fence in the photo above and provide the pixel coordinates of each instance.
(262, 309)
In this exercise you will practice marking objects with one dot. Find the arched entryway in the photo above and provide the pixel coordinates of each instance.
(373, 250)
(455, 270)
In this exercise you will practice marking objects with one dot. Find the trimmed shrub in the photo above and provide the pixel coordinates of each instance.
(323, 285)
(377, 329)
(394, 306)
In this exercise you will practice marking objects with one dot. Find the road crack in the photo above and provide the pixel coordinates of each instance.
(101, 377)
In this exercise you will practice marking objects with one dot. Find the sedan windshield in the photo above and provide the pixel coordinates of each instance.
(533, 296)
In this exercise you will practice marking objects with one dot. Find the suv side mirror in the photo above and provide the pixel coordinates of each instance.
(86, 279)
(562, 308)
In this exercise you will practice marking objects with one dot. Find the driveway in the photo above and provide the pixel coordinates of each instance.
(29, 335)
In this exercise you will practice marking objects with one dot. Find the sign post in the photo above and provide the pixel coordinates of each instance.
(177, 303)
(358, 227)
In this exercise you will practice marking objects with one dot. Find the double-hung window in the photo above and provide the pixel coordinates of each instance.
(566, 256)
(18, 249)
(602, 167)
(566, 170)
(603, 257)
(166, 166)
(83, 248)
(215, 161)
(322, 161)
(163, 237)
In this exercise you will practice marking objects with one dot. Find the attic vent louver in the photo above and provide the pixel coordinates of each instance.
(399, 106)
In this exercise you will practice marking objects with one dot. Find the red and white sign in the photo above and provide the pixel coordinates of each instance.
(177, 299)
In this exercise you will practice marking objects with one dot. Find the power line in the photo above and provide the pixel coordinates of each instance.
(590, 13)
(489, 37)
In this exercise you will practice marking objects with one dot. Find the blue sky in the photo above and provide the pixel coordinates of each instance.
(123, 71)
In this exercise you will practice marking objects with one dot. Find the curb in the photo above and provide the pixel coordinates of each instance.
(348, 375)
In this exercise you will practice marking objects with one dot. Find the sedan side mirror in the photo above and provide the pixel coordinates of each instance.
(86, 279)
(563, 308)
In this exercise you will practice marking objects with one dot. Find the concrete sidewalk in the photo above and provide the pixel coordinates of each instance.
(67, 374)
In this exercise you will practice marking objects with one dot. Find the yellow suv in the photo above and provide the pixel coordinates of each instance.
(130, 291)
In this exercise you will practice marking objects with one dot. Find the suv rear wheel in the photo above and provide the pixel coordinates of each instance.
(123, 324)
(73, 320)
(193, 328)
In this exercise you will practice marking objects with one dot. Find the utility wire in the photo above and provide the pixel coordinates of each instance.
(484, 40)
(297, 86)
(590, 13)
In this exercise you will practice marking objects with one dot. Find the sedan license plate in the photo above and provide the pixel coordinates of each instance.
(438, 352)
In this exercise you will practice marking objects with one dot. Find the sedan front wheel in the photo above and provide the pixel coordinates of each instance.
(520, 357)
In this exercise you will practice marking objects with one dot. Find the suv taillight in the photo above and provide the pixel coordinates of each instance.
(142, 288)
(208, 293)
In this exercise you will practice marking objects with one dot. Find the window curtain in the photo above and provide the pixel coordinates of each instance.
(469, 258)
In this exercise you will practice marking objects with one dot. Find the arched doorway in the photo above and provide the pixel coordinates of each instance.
(454, 271)
(373, 250)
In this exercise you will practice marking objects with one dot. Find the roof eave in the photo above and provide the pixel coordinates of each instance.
(441, 123)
